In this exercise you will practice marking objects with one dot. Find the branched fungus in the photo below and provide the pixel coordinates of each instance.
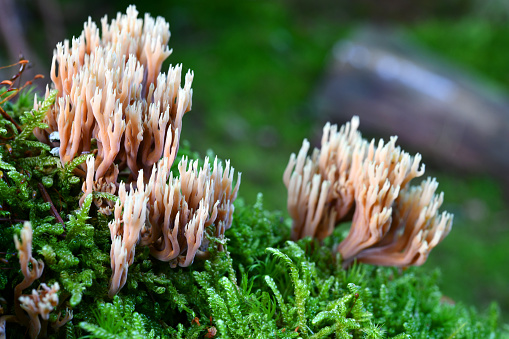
(321, 186)
(41, 302)
(110, 90)
(32, 269)
(115, 104)
(416, 229)
(130, 215)
(348, 179)
(171, 214)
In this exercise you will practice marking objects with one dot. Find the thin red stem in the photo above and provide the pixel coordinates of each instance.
(47, 198)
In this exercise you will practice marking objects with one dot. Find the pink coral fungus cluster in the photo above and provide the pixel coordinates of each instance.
(113, 100)
(114, 104)
(170, 215)
(367, 183)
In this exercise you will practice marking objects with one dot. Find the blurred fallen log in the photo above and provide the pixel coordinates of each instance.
(454, 119)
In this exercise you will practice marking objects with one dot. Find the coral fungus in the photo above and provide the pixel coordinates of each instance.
(350, 179)
(171, 215)
(41, 302)
(110, 89)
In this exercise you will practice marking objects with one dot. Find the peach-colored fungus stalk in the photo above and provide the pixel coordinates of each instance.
(349, 179)
(130, 216)
(41, 302)
(321, 186)
(32, 269)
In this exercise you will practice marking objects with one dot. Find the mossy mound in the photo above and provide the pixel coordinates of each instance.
(262, 286)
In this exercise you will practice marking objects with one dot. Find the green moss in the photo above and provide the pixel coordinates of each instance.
(262, 286)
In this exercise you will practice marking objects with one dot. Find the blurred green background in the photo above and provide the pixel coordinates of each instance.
(257, 65)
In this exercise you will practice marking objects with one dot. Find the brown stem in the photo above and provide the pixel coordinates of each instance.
(47, 198)
(8, 117)
(79, 172)
(356, 296)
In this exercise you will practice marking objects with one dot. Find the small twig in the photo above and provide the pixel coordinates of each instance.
(21, 62)
(79, 172)
(9, 118)
(47, 198)
(356, 296)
